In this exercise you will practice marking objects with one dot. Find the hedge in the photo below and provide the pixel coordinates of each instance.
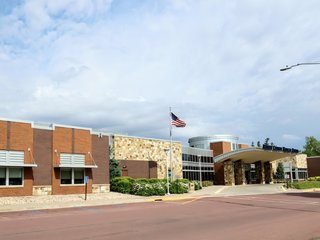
(148, 187)
(207, 183)
(316, 178)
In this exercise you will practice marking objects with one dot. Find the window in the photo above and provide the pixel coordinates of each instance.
(72, 176)
(2, 176)
(234, 147)
(15, 176)
(66, 176)
(78, 175)
(11, 176)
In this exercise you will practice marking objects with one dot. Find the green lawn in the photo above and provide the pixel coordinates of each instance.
(306, 185)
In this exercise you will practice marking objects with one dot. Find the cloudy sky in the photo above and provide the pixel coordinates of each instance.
(119, 65)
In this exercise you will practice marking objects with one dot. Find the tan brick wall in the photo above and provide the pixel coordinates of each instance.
(142, 149)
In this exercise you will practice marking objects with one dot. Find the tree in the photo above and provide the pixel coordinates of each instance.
(312, 147)
(258, 144)
(279, 172)
(266, 141)
(252, 144)
(114, 168)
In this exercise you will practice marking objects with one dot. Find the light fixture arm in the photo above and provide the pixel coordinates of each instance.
(298, 64)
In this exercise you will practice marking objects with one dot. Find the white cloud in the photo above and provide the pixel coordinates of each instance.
(119, 66)
(291, 137)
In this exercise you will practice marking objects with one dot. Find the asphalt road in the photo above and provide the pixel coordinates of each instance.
(277, 216)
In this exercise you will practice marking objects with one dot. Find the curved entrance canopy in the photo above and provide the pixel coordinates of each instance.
(248, 165)
(253, 154)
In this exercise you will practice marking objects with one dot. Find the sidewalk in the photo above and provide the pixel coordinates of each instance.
(9, 204)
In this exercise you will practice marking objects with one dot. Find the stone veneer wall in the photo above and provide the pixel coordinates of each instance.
(299, 161)
(144, 149)
(228, 173)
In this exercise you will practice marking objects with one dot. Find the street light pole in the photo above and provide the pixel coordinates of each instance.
(168, 185)
(200, 177)
(298, 64)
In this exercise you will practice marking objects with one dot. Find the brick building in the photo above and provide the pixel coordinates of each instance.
(313, 166)
(51, 159)
(236, 163)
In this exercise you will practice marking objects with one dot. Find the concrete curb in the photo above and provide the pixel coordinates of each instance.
(311, 190)
(170, 199)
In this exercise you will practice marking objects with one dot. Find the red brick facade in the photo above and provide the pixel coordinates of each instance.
(313, 166)
(241, 145)
(219, 148)
(138, 169)
(100, 154)
(16, 136)
(70, 140)
(44, 146)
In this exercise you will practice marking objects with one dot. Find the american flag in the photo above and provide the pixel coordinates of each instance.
(175, 121)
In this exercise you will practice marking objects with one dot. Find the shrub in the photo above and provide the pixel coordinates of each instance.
(197, 185)
(148, 187)
(144, 188)
(121, 184)
(207, 183)
(179, 186)
(316, 178)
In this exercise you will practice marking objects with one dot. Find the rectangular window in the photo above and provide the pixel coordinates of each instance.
(3, 176)
(66, 176)
(11, 176)
(15, 176)
(72, 176)
(78, 175)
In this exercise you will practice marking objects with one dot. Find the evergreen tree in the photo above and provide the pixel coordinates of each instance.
(279, 172)
(258, 144)
(114, 168)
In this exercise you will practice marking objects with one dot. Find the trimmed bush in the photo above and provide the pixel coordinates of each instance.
(197, 185)
(179, 186)
(207, 183)
(316, 178)
(121, 184)
(148, 187)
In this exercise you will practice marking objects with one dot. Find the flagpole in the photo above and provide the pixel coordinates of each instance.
(171, 177)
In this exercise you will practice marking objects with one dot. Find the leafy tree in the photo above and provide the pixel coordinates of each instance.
(312, 147)
(279, 172)
(252, 144)
(258, 144)
(114, 168)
